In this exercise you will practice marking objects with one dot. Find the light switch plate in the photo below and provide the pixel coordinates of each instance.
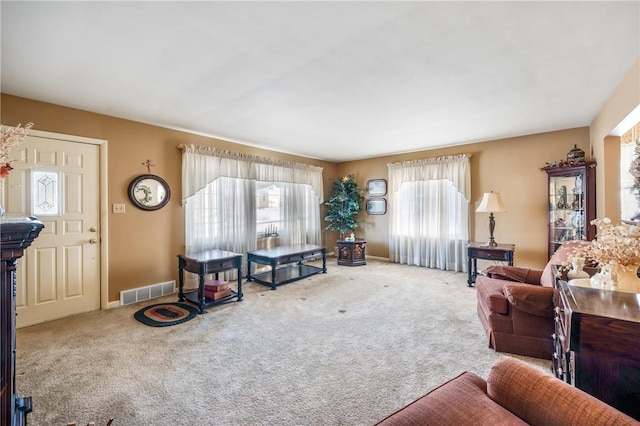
(119, 208)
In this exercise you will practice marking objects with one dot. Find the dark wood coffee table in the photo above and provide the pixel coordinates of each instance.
(292, 256)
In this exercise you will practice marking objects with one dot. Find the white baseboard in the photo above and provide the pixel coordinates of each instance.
(381, 259)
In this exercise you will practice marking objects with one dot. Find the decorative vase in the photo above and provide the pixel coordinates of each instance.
(577, 269)
(625, 278)
(575, 155)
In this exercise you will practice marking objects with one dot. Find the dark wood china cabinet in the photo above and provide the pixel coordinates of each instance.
(571, 203)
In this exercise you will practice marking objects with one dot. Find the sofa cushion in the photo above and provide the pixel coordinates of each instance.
(540, 399)
(490, 294)
(460, 401)
(533, 299)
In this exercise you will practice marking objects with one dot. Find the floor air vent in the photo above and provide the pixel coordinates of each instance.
(140, 294)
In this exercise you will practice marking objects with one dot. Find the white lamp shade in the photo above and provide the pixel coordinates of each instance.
(491, 202)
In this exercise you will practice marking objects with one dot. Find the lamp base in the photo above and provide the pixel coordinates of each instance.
(492, 227)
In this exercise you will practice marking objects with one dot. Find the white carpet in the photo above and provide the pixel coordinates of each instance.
(343, 348)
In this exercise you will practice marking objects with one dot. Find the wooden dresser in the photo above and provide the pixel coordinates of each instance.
(597, 344)
(15, 236)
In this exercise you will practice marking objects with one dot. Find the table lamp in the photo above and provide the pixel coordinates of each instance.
(491, 202)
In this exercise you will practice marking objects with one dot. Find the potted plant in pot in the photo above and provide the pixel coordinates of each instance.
(343, 206)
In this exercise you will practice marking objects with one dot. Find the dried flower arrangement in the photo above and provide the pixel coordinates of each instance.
(614, 244)
(10, 138)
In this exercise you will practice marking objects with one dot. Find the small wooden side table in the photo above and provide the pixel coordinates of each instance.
(205, 263)
(475, 251)
(352, 253)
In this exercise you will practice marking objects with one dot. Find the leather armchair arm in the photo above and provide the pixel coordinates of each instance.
(535, 300)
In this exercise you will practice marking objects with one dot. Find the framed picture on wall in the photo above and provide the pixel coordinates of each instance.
(376, 187)
(376, 206)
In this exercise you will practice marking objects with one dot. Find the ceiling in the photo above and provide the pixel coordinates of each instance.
(331, 80)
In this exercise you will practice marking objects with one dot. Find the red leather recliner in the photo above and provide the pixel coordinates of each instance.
(515, 306)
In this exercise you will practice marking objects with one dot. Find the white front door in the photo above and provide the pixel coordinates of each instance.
(57, 181)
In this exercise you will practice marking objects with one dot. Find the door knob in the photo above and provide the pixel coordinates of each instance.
(93, 240)
(93, 229)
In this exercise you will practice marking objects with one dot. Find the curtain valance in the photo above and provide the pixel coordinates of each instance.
(454, 168)
(208, 164)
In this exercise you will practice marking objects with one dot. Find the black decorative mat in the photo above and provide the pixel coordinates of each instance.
(165, 314)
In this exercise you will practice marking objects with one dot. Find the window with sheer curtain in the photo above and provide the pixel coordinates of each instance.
(429, 212)
(629, 191)
(221, 195)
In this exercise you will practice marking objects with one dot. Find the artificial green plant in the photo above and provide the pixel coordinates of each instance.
(344, 205)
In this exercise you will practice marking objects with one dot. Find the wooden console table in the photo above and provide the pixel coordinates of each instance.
(15, 236)
(205, 263)
(596, 344)
(286, 255)
(475, 251)
(352, 253)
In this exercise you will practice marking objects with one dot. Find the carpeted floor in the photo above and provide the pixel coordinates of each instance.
(345, 348)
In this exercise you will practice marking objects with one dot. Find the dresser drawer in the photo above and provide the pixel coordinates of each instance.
(559, 363)
(562, 328)
(312, 255)
(562, 316)
(290, 259)
(561, 353)
(213, 266)
(492, 254)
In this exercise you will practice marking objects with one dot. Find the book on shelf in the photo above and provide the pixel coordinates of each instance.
(215, 285)
(217, 295)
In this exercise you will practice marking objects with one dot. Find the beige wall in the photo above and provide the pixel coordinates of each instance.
(624, 99)
(142, 245)
(509, 166)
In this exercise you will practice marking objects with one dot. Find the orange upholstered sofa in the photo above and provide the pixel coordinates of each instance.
(515, 393)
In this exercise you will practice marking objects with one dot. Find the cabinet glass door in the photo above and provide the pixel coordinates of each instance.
(566, 208)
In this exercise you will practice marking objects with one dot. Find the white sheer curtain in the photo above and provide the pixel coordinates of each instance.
(219, 195)
(222, 216)
(301, 213)
(429, 212)
(203, 165)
